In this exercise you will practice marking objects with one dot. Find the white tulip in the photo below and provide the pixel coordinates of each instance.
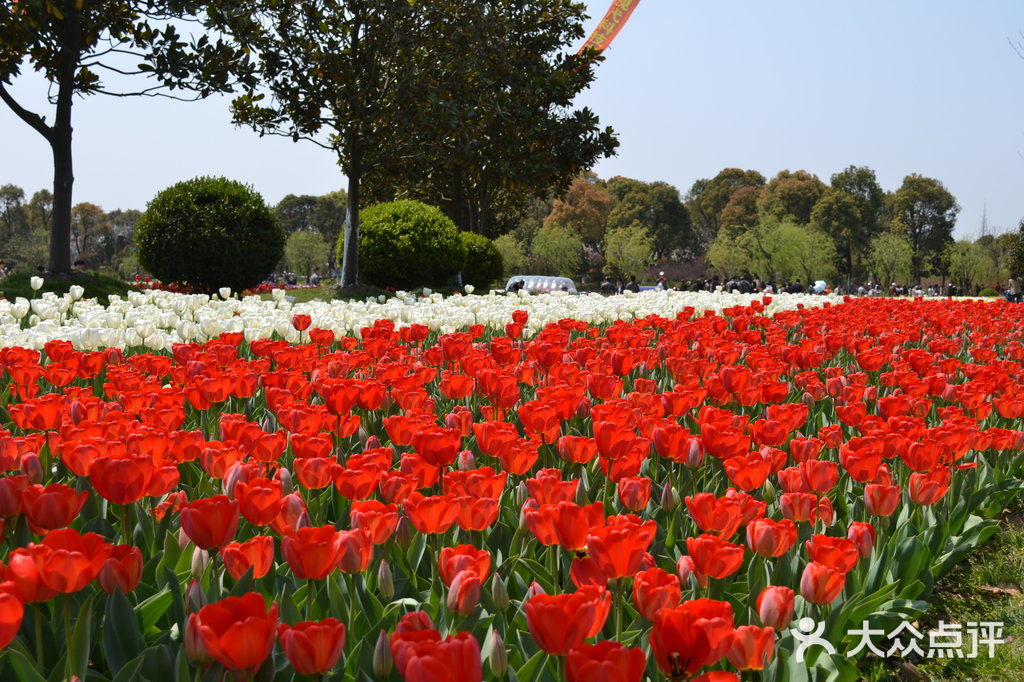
(76, 292)
(277, 294)
(36, 283)
(225, 292)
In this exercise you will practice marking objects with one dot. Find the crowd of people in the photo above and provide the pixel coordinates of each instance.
(1012, 291)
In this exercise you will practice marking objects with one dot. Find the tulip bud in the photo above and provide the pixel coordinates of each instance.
(581, 496)
(200, 560)
(194, 647)
(583, 409)
(863, 536)
(808, 399)
(768, 492)
(372, 442)
(464, 592)
(78, 412)
(522, 492)
(385, 581)
(499, 593)
(363, 434)
(533, 590)
(183, 539)
(466, 460)
(285, 477)
(403, 532)
(669, 498)
(234, 474)
(195, 598)
(31, 468)
(686, 569)
(382, 661)
(497, 656)
(694, 453)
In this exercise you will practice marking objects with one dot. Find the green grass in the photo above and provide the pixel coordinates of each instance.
(331, 293)
(95, 285)
(986, 587)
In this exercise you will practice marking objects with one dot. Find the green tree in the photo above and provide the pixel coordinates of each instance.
(13, 218)
(339, 74)
(860, 183)
(1015, 260)
(891, 258)
(924, 212)
(838, 215)
(73, 43)
(557, 250)
(727, 255)
(969, 264)
(584, 208)
(708, 198)
(781, 249)
(628, 250)
(741, 212)
(512, 256)
(304, 250)
(792, 193)
(491, 113)
(90, 229)
(1000, 249)
(657, 207)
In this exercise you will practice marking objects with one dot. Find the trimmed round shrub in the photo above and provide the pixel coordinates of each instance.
(407, 244)
(484, 264)
(209, 233)
(988, 291)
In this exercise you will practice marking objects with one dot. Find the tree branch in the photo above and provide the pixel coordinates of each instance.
(35, 120)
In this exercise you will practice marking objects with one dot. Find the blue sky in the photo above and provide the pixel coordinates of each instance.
(911, 86)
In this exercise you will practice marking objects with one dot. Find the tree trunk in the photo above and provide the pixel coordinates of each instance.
(63, 181)
(60, 143)
(350, 259)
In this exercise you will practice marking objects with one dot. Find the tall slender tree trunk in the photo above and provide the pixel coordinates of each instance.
(63, 182)
(350, 259)
(60, 143)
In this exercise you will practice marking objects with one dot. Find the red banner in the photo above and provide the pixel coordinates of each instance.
(614, 20)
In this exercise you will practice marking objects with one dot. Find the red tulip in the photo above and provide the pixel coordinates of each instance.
(775, 606)
(634, 492)
(122, 480)
(712, 514)
(820, 584)
(52, 507)
(453, 560)
(376, 518)
(11, 613)
(434, 514)
(606, 661)
(770, 538)
(559, 622)
(355, 551)
(210, 522)
(122, 570)
(455, 658)
(881, 500)
(655, 589)
(238, 632)
(68, 561)
(680, 646)
(313, 647)
(863, 537)
(257, 554)
(464, 592)
(752, 647)
(927, 489)
(839, 554)
(312, 552)
(619, 549)
(259, 500)
(713, 556)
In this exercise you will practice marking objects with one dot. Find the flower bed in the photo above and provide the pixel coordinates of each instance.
(582, 487)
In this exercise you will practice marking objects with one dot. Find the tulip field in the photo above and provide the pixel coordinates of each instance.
(451, 489)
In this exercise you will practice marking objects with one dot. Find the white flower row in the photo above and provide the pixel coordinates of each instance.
(157, 319)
